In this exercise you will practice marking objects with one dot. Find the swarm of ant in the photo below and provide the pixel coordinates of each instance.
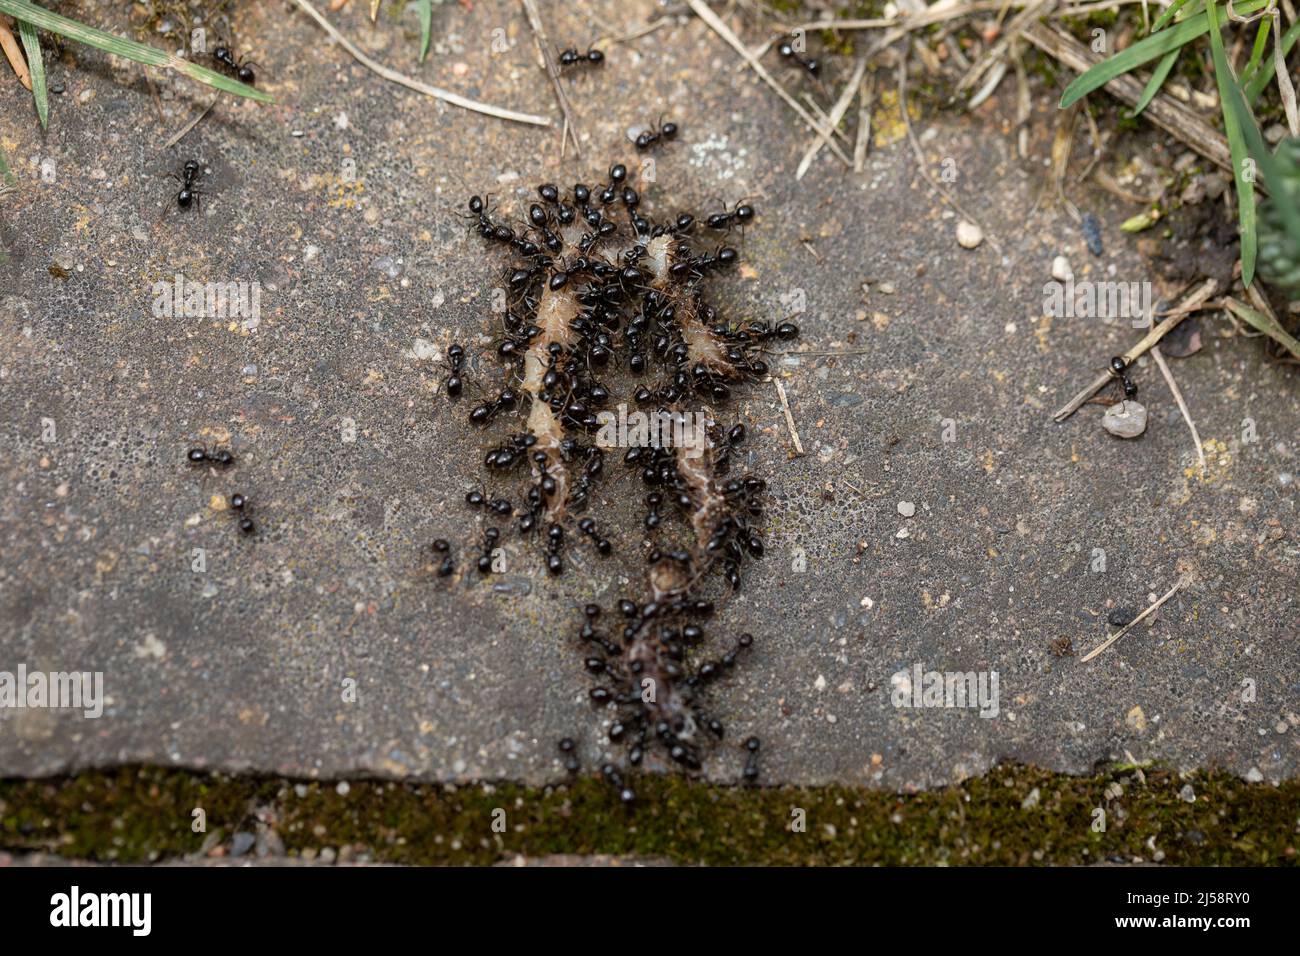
(596, 284)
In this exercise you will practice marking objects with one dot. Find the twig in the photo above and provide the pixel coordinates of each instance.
(789, 419)
(721, 29)
(192, 123)
(831, 352)
(866, 94)
(9, 43)
(761, 50)
(1166, 112)
(1185, 308)
(1181, 582)
(920, 155)
(635, 35)
(1182, 405)
(837, 113)
(820, 115)
(995, 54)
(910, 22)
(553, 71)
(419, 87)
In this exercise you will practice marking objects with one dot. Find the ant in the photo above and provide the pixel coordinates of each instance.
(572, 57)
(809, 64)
(487, 411)
(571, 763)
(742, 214)
(221, 458)
(188, 178)
(456, 359)
(751, 759)
(239, 503)
(648, 138)
(441, 546)
(241, 70)
(1119, 368)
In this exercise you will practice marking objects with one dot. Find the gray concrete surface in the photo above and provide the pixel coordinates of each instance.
(241, 666)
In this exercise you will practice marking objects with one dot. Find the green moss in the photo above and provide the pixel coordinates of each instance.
(145, 814)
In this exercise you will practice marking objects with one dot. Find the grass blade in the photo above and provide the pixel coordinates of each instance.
(1255, 85)
(426, 27)
(43, 19)
(1260, 48)
(1268, 164)
(36, 65)
(1263, 323)
(1158, 44)
(1235, 117)
(1157, 80)
(1168, 15)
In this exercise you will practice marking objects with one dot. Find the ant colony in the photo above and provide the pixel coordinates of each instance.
(595, 284)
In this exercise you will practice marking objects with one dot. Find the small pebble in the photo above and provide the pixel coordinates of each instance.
(969, 235)
(343, 788)
(1061, 270)
(1090, 226)
(241, 843)
(1128, 419)
(1187, 794)
(906, 508)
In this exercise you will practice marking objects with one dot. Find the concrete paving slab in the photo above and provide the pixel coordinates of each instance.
(355, 461)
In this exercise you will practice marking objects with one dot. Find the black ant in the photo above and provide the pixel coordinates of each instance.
(743, 213)
(809, 64)
(572, 57)
(571, 762)
(487, 411)
(440, 546)
(240, 504)
(650, 137)
(188, 177)
(456, 359)
(221, 458)
(1119, 368)
(751, 759)
(491, 538)
(241, 70)
(602, 544)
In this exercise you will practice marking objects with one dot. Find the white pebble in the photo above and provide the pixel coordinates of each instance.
(1061, 270)
(906, 508)
(1128, 419)
(969, 235)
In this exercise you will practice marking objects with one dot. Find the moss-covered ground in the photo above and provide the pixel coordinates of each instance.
(1015, 815)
